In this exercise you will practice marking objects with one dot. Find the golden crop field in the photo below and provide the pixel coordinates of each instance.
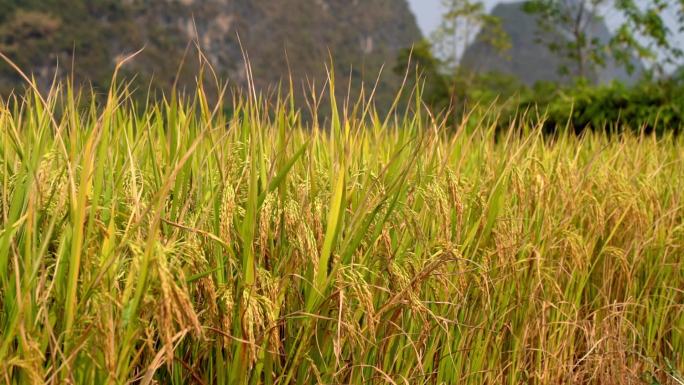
(171, 243)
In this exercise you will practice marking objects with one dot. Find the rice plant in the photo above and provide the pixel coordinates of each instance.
(169, 243)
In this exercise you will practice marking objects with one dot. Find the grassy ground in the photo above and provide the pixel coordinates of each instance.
(172, 244)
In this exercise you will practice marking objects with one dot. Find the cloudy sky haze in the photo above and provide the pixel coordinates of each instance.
(429, 12)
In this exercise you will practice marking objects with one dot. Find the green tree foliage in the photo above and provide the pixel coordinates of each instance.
(567, 29)
(655, 104)
(461, 21)
(649, 106)
(442, 84)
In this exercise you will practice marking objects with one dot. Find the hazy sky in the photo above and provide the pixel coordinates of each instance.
(429, 12)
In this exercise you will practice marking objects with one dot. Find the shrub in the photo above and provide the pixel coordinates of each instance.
(649, 106)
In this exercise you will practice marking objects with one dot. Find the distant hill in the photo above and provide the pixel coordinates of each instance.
(532, 61)
(365, 33)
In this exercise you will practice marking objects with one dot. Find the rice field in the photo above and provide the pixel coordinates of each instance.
(172, 243)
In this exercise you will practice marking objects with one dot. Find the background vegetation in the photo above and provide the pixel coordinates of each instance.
(556, 59)
(85, 39)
